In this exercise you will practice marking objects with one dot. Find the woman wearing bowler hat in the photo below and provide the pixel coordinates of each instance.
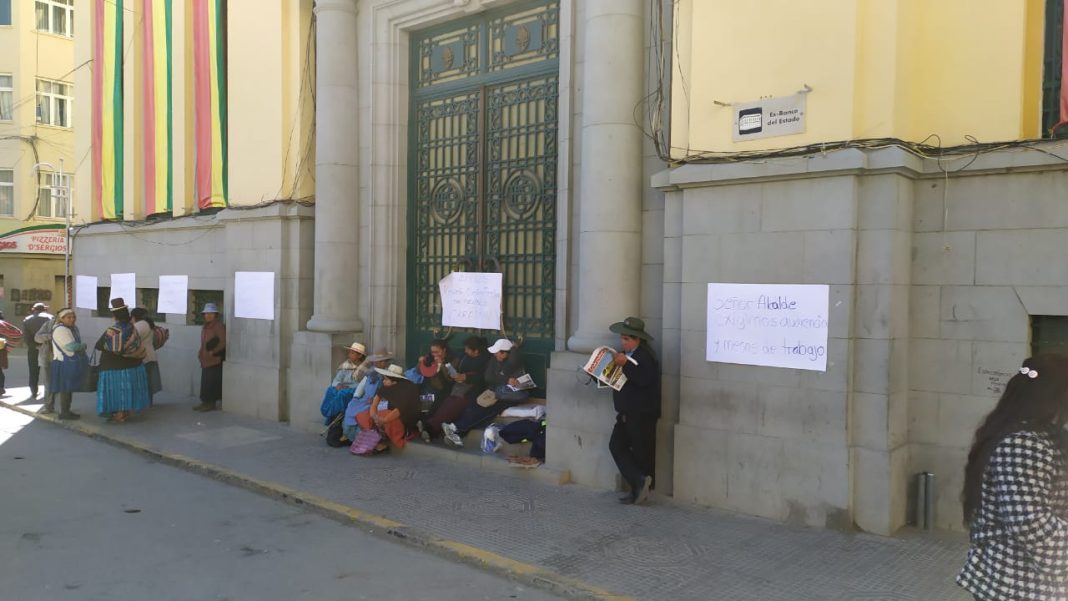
(122, 387)
(633, 442)
(211, 355)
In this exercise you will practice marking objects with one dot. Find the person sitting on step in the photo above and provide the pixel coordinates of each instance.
(399, 419)
(469, 380)
(340, 391)
(365, 391)
(502, 391)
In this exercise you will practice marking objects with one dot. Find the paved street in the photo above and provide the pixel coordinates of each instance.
(572, 534)
(80, 519)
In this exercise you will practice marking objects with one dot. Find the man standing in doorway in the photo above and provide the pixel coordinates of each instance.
(633, 442)
(33, 322)
(211, 355)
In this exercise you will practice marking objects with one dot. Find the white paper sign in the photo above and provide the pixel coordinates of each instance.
(254, 294)
(776, 325)
(471, 300)
(124, 286)
(173, 294)
(85, 292)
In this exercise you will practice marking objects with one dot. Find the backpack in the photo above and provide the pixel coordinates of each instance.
(160, 335)
(122, 339)
(335, 433)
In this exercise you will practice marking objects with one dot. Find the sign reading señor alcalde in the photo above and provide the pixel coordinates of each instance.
(38, 240)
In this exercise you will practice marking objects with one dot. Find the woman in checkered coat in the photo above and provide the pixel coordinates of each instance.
(1016, 490)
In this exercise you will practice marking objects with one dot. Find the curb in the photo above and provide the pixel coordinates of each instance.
(380, 526)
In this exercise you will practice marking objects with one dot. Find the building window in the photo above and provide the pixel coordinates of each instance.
(7, 96)
(199, 298)
(1049, 334)
(54, 102)
(56, 16)
(52, 195)
(5, 12)
(7, 192)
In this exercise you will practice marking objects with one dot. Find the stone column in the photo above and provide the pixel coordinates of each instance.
(336, 168)
(610, 193)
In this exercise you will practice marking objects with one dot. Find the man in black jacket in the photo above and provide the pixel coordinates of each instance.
(33, 322)
(633, 442)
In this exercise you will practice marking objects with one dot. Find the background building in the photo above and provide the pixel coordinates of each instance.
(361, 150)
(37, 100)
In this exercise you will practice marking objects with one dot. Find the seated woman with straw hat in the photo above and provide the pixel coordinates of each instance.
(364, 392)
(339, 392)
(399, 419)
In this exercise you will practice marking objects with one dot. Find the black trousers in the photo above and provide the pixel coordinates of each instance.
(477, 416)
(32, 354)
(633, 447)
(211, 384)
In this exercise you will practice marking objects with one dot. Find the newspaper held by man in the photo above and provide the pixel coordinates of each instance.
(603, 368)
(523, 382)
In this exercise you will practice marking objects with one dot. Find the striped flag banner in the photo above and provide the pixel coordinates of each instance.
(157, 111)
(209, 81)
(107, 108)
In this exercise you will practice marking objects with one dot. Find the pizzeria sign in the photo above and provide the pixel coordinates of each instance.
(35, 241)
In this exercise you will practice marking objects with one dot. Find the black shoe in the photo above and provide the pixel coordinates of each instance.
(69, 415)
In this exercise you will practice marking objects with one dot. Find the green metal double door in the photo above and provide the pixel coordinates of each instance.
(482, 172)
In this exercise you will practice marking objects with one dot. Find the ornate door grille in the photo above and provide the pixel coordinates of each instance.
(482, 158)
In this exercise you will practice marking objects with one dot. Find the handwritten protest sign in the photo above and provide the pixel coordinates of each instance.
(471, 300)
(775, 325)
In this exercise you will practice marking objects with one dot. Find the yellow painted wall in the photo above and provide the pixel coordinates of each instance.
(27, 54)
(269, 129)
(878, 68)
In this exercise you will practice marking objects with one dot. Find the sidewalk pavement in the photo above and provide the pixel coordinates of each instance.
(570, 539)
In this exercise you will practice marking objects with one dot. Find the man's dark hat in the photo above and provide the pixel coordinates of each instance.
(117, 304)
(631, 326)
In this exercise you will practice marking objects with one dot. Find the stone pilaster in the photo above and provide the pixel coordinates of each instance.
(610, 193)
(336, 168)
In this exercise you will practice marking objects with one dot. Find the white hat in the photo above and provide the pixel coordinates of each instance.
(210, 308)
(393, 371)
(502, 344)
(359, 348)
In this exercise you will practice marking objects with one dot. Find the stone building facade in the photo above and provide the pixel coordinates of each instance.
(517, 136)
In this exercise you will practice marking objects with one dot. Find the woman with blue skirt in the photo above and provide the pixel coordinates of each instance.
(70, 366)
(122, 388)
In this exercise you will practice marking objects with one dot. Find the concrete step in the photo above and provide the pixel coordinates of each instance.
(471, 455)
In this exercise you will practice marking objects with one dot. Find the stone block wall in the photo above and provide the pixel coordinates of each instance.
(985, 259)
(931, 293)
(261, 354)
